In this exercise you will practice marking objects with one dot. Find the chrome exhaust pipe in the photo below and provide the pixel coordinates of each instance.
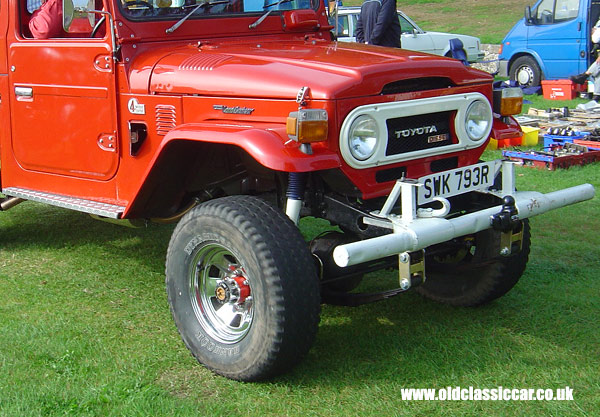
(10, 202)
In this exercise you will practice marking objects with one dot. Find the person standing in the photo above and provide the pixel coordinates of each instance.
(378, 23)
(593, 71)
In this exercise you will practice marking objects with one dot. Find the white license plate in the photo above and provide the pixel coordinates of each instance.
(457, 181)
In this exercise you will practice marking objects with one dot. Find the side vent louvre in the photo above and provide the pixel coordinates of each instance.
(165, 119)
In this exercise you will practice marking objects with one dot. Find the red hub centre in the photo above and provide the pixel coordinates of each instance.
(244, 288)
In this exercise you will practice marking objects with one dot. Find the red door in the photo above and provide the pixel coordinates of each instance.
(4, 95)
(63, 107)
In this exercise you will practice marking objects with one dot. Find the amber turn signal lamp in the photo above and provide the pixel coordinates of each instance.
(307, 125)
(508, 101)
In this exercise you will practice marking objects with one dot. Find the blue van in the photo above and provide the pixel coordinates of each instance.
(552, 41)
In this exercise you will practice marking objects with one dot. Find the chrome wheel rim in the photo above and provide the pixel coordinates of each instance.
(221, 294)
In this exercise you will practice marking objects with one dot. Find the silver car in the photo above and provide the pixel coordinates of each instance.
(413, 37)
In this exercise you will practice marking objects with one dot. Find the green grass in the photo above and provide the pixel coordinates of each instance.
(85, 329)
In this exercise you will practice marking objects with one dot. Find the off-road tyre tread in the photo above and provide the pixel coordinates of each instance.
(288, 271)
(496, 277)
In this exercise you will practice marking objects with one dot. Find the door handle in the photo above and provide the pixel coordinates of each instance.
(25, 92)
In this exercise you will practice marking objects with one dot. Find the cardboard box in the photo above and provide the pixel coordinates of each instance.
(561, 89)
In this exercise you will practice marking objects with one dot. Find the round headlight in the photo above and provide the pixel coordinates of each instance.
(362, 137)
(478, 120)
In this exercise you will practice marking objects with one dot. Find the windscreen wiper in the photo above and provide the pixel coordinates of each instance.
(264, 16)
(201, 5)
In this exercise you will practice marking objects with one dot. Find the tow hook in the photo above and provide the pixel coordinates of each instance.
(507, 221)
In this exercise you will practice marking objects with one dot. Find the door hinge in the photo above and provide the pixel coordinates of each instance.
(103, 63)
(106, 142)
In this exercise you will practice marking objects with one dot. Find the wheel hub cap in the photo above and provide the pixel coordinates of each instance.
(222, 293)
(233, 289)
(524, 76)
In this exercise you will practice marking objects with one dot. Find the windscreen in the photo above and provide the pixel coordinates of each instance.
(178, 9)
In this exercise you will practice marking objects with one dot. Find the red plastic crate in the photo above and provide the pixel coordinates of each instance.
(561, 89)
(504, 143)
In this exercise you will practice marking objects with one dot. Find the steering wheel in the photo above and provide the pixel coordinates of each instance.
(97, 26)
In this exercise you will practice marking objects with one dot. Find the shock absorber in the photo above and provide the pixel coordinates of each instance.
(295, 194)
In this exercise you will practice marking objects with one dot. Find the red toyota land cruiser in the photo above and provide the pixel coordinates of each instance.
(237, 117)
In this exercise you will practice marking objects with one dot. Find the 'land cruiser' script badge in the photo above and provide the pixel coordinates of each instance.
(135, 107)
(233, 110)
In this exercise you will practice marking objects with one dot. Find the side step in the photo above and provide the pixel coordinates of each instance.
(72, 203)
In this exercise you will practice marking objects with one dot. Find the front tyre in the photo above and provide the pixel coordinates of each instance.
(476, 276)
(526, 71)
(242, 288)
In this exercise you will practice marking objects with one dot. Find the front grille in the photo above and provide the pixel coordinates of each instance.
(429, 128)
(415, 133)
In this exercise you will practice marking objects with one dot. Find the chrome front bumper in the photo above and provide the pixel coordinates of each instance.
(415, 229)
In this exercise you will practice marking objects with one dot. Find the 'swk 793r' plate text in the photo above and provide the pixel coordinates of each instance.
(457, 181)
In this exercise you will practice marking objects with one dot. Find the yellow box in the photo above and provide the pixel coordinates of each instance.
(492, 145)
(530, 135)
